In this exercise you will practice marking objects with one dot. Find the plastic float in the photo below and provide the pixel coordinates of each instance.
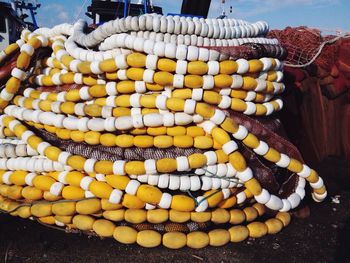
(145, 131)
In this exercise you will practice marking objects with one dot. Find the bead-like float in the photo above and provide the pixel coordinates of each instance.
(153, 85)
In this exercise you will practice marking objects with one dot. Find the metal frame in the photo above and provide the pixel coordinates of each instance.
(126, 4)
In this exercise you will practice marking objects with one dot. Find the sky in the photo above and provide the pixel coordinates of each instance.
(324, 14)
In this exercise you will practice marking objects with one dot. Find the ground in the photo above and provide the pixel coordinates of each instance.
(322, 237)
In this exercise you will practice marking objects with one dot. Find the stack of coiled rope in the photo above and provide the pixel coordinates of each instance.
(127, 132)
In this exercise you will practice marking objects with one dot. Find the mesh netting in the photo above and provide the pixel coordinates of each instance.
(252, 51)
(306, 46)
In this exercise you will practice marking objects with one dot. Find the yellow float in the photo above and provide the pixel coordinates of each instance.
(143, 146)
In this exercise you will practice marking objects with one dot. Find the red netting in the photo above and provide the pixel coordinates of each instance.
(303, 45)
(317, 78)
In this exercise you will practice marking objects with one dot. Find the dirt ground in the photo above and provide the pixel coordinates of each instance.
(322, 237)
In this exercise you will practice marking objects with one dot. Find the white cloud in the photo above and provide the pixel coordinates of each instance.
(173, 6)
(249, 8)
(52, 14)
(63, 15)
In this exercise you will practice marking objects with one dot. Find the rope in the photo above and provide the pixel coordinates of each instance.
(328, 42)
(80, 10)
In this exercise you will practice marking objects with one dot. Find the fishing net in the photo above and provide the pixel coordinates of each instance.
(306, 46)
(151, 130)
(318, 80)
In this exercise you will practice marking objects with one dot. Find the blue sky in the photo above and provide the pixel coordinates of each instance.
(324, 14)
